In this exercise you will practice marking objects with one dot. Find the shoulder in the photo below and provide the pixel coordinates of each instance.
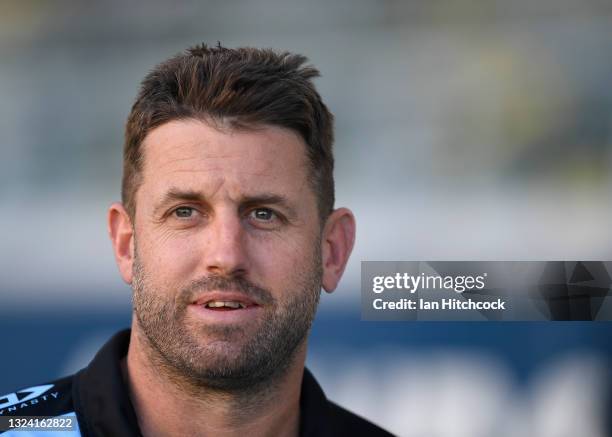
(346, 423)
(51, 399)
(320, 416)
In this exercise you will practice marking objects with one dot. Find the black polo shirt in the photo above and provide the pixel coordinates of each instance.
(99, 398)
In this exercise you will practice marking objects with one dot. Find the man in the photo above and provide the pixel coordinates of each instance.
(226, 232)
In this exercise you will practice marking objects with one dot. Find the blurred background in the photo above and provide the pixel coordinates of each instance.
(466, 130)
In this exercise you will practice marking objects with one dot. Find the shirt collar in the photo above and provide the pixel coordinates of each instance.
(101, 395)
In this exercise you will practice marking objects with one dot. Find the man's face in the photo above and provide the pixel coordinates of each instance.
(227, 269)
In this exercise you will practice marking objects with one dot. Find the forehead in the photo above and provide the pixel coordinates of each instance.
(194, 153)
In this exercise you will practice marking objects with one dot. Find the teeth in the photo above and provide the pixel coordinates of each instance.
(220, 304)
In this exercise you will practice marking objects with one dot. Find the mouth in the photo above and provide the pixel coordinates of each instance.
(218, 305)
(225, 302)
(226, 308)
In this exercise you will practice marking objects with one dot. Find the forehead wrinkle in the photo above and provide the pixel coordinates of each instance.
(204, 154)
(212, 166)
(217, 188)
(264, 171)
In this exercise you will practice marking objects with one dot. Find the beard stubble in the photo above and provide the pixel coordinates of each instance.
(231, 357)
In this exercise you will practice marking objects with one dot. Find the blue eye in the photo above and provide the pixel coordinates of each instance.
(263, 214)
(183, 212)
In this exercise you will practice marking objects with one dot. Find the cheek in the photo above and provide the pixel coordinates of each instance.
(170, 257)
(282, 259)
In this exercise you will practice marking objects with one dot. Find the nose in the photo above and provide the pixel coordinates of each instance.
(226, 251)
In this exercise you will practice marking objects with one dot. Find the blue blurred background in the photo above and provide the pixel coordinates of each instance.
(466, 130)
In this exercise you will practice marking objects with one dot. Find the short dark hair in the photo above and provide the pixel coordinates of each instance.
(246, 87)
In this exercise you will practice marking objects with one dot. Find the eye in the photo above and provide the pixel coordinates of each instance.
(263, 214)
(184, 212)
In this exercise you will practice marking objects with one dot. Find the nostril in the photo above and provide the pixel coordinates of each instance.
(222, 271)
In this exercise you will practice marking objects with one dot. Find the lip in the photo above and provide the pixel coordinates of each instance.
(237, 316)
(225, 296)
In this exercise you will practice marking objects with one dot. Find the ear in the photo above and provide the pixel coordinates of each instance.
(121, 234)
(337, 245)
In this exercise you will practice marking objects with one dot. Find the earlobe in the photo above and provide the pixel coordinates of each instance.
(337, 245)
(121, 233)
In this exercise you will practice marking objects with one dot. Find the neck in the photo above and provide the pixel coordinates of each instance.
(167, 404)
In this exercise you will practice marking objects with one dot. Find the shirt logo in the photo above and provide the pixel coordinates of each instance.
(17, 397)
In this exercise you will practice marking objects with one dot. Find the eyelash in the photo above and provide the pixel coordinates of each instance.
(252, 213)
(275, 215)
(175, 211)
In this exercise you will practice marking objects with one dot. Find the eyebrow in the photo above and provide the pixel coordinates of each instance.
(176, 194)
